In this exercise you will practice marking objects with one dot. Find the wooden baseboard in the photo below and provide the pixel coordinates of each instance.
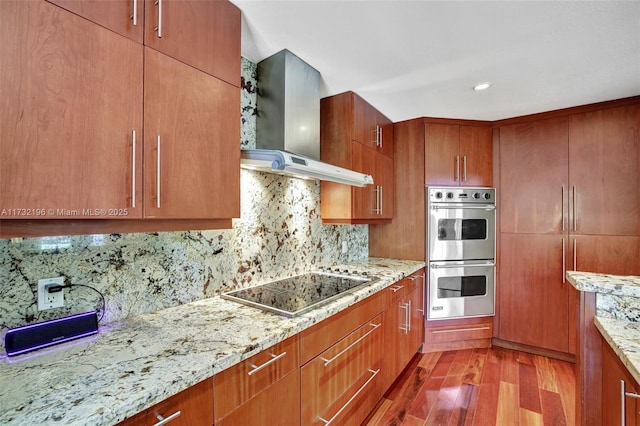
(454, 346)
(534, 350)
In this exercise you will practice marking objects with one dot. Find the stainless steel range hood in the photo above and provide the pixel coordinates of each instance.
(288, 124)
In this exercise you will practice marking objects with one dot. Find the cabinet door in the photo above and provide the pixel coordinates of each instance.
(394, 322)
(364, 122)
(363, 160)
(203, 34)
(126, 17)
(384, 179)
(441, 154)
(416, 332)
(618, 255)
(386, 127)
(604, 158)
(195, 405)
(533, 177)
(71, 100)
(197, 167)
(613, 371)
(476, 155)
(278, 405)
(533, 299)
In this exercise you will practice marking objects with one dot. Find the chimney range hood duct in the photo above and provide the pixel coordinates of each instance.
(288, 124)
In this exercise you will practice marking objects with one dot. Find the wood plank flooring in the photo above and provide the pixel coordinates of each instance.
(482, 387)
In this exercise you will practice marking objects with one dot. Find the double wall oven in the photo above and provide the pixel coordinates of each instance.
(461, 252)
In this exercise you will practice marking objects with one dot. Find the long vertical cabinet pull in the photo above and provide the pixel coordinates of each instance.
(158, 172)
(380, 137)
(575, 217)
(405, 326)
(159, 27)
(380, 199)
(409, 317)
(564, 266)
(575, 255)
(133, 169)
(134, 15)
(456, 177)
(562, 208)
(464, 162)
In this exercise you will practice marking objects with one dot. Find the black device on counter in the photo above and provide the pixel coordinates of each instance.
(47, 333)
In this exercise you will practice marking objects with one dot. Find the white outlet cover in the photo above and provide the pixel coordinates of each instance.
(48, 300)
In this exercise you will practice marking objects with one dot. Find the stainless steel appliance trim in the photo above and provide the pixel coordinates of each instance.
(460, 330)
(273, 359)
(462, 206)
(451, 265)
(374, 373)
(348, 348)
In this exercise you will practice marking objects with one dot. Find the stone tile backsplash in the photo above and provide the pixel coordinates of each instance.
(279, 234)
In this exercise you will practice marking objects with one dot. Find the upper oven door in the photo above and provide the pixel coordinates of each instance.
(458, 231)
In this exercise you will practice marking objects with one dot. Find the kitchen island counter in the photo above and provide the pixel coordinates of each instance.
(133, 364)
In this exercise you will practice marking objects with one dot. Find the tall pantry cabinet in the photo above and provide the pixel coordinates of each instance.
(77, 82)
(569, 200)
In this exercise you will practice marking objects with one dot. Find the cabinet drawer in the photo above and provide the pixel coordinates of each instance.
(457, 333)
(238, 384)
(344, 382)
(318, 338)
(194, 405)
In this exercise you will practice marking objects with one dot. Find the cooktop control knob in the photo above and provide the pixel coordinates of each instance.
(476, 195)
(449, 195)
(486, 195)
(438, 195)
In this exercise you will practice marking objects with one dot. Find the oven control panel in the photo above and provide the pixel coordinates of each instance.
(461, 195)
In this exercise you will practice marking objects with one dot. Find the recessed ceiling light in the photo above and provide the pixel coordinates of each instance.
(482, 86)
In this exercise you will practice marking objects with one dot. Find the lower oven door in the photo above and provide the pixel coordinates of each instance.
(461, 289)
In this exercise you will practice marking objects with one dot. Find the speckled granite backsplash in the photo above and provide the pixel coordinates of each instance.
(279, 234)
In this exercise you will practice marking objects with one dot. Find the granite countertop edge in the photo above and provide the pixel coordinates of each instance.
(618, 285)
(133, 364)
(624, 338)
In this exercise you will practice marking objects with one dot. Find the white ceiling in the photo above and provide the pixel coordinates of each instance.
(421, 58)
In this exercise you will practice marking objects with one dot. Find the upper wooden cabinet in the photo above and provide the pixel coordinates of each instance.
(355, 136)
(534, 177)
(72, 121)
(203, 34)
(71, 103)
(604, 171)
(458, 155)
(126, 17)
(191, 153)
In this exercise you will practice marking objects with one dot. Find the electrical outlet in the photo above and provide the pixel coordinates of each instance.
(344, 247)
(48, 300)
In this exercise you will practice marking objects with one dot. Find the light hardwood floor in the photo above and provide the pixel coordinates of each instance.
(480, 387)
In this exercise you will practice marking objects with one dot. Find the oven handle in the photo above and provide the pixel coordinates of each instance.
(482, 265)
(459, 207)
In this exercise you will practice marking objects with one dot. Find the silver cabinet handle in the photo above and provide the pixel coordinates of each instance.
(273, 359)
(380, 137)
(564, 268)
(165, 420)
(381, 200)
(456, 178)
(416, 277)
(409, 317)
(329, 361)
(562, 208)
(623, 402)
(134, 15)
(464, 162)
(575, 254)
(374, 373)
(158, 172)
(575, 218)
(159, 27)
(407, 311)
(397, 288)
(133, 169)
(377, 141)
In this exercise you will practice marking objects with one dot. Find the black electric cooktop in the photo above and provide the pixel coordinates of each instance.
(293, 296)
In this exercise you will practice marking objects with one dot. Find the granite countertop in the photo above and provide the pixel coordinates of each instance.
(133, 364)
(622, 335)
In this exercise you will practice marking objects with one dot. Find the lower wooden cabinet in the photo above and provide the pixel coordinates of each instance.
(191, 407)
(616, 380)
(342, 384)
(459, 333)
(278, 405)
